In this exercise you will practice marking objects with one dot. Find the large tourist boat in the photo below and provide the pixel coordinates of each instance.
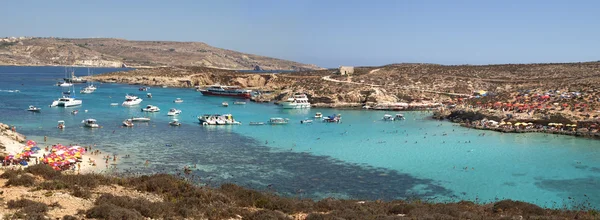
(234, 91)
(226, 119)
(131, 100)
(66, 101)
(296, 101)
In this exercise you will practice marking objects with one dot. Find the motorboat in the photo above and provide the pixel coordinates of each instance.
(61, 124)
(74, 112)
(399, 117)
(306, 121)
(149, 95)
(64, 84)
(174, 112)
(318, 115)
(388, 117)
(178, 100)
(66, 102)
(218, 90)
(87, 90)
(296, 101)
(33, 109)
(333, 118)
(140, 119)
(257, 123)
(225, 104)
(239, 103)
(90, 123)
(143, 88)
(151, 108)
(128, 123)
(226, 119)
(278, 121)
(164, 86)
(131, 100)
(175, 122)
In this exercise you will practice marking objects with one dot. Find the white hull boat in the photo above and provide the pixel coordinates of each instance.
(151, 108)
(298, 101)
(140, 119)
(90, 123)
(278, 121)
(33, 109)
(178, 100)
(131, 101)
(128, 123)
(174, 112)
(226, 119)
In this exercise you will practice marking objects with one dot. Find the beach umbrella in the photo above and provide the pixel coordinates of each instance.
(530, 123)
(509, 123)
(551, 124)
(502, 123)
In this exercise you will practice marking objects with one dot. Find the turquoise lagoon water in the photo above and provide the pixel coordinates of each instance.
(361, 158)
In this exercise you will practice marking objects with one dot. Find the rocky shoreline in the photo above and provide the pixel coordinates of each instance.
(475, 119)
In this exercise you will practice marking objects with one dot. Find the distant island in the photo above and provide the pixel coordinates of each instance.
(110, 52)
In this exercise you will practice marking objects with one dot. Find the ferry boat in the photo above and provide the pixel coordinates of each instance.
(131, 100)
(33, 109)
(234, 91)
(174, 112)
(90, 123)
(296, 101)
(278, 121)
(226, 119)
(151, 108)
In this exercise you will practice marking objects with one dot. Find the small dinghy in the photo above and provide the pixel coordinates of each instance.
(178, 100)
(175, 122)
(61, 124)
(114, 104)
(141, 119)
(257, 123)
(239, 103)
(306, 121)
(225, 104)
(33, 109)
(128, 123)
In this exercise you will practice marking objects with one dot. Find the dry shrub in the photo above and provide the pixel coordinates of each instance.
(20, 180)
(43, 170)
(81, 192)
(53, 185)
(112, 212)
(517, 207)
(28, 209)
(69, 217)
(267, 215)
(143, 206)
(10, 173)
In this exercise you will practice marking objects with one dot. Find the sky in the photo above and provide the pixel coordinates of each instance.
(330, 33)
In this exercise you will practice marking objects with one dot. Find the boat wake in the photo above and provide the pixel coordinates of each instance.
(7, 90)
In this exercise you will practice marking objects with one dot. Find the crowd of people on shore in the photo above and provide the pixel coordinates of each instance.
(59, 157)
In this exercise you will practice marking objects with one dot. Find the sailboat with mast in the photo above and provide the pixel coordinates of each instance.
(90, 88)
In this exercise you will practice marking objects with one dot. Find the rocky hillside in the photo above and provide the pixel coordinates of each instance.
(411, 83)
(115, 52)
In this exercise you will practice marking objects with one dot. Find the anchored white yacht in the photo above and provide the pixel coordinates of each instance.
(91, 123)
(296, 101)
(131, 100)
(174, 112)
(226, 119)
(151, 108)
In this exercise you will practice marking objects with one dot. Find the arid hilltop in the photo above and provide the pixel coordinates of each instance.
(110, 52)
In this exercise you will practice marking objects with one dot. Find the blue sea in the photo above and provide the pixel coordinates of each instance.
(360, 158)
